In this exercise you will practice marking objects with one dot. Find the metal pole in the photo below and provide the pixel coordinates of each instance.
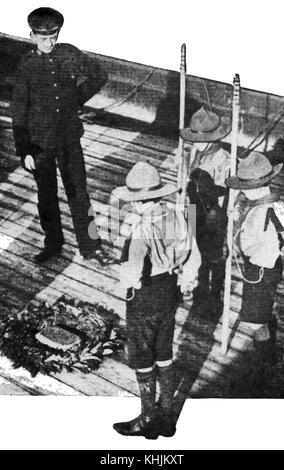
(181, 180)
(228, 275)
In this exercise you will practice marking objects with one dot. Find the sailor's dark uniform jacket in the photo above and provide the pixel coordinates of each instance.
(48, 91)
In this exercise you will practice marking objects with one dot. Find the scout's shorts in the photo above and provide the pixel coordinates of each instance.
(150, 318)
(258, 299)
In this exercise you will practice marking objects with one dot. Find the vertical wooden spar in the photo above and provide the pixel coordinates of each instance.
(228, 275)
(181, 180)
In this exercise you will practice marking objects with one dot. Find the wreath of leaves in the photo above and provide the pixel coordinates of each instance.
(96, 327)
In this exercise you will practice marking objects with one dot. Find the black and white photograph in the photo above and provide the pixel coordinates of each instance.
(141, 226)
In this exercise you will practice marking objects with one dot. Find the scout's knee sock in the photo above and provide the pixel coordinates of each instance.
(145, 424)
(167, 386)
(147, 387)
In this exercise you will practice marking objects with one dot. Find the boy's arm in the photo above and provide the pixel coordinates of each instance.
(131, 270)
(188, 278)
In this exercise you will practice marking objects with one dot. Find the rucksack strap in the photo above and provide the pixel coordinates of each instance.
(271, 216)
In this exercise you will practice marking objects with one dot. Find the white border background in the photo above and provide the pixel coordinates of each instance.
(223, 38)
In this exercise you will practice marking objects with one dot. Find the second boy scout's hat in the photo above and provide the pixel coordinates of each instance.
(45, 21)
(143, 182)
(253, 172)
(206, 126)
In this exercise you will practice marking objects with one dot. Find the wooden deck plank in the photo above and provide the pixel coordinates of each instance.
(31, 239)
(39, 385)
(158, 145)
(24, 274)
(119, 373)
(9, 388)
(92, 384)
(88, 272)
(113, 240)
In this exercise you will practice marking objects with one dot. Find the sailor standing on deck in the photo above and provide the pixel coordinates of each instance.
(258, 240)
(209, 166)
(52, 81)
(158, 243)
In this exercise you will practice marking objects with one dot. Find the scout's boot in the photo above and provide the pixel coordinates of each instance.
(265, 360)
(166, 377)
(264, 343)
(145, 424)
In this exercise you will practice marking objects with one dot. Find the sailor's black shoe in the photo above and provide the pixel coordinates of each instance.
(138, 427)
(46, 254)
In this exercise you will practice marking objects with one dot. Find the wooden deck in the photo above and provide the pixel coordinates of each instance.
(110, 150)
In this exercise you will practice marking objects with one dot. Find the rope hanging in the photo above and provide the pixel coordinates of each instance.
(132, 93)
(207, 93)
(264, 133)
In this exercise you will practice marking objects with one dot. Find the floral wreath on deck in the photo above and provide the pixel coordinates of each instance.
(69, 334)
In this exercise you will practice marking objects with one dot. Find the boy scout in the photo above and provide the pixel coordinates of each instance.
(209, 167)
(53, 80)
(159, 242)
(258, 239)
(211, 226)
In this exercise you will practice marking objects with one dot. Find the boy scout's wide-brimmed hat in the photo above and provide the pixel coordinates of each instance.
(253, 172)
(206, 126)
(45, 21)
(143, 182)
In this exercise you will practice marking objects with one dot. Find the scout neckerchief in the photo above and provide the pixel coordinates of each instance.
(212, 149)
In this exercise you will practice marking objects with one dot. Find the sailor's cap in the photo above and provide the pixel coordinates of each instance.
(45, 21)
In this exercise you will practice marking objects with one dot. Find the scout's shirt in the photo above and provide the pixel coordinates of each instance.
(215, 160)
(260, 245)
(162, 233)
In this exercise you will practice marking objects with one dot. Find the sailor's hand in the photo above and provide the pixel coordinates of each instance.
(29, 163)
